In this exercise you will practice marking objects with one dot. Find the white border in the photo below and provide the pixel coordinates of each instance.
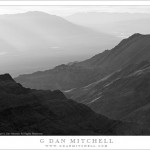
(51, 142)
(82, 3)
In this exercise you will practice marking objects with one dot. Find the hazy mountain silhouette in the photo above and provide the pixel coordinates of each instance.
(116, 82)
(119, 24)
(45, 40)
(123, 95)
(134, 49)
(23, 110)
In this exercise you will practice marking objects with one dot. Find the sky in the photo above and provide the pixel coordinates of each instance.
(69, 10)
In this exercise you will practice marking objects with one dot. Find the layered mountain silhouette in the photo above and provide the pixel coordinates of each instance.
(119, 24)
(45, 40)
(24, 110)
(76, 75)
(123, 94)
(114, 83)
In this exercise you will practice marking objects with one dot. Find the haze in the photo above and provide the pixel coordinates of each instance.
(35, 38)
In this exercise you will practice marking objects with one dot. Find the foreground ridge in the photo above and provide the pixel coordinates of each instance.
(24, 110)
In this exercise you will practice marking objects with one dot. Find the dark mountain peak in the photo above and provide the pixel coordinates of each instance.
(129, 40)
(51, 113)
(136, 35)
(6, 77)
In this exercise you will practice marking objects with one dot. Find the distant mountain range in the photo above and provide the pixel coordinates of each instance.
(114, 83)
(24, 110)
(45, 40)
(118, 24)
(107, 94)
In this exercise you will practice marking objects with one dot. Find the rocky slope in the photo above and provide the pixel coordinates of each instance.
(116, 82)
(123, 95)
(134, 49)
(23, 110)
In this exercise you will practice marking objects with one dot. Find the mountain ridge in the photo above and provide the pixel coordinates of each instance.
(116, 83)
(24, 110)
(123, 95)
(65, 77)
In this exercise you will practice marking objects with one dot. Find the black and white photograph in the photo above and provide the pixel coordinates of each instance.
(75, 70)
